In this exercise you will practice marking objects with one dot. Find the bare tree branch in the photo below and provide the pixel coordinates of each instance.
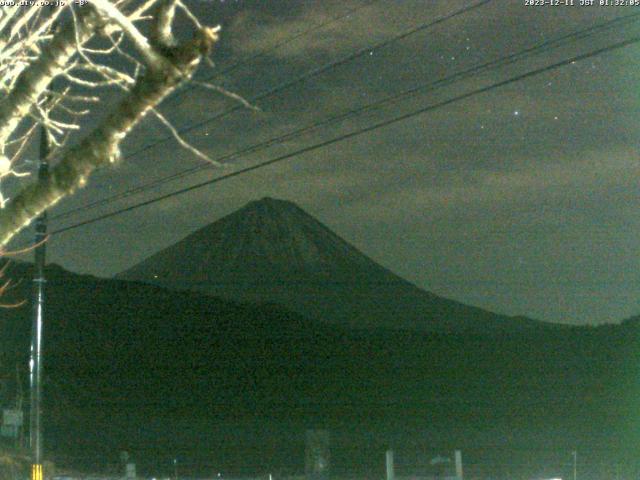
(52, 75)
(183, 143)
(34, 80)
(101, 146)
(142, 45)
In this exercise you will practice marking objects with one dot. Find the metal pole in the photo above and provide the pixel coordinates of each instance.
(458, 459)
(35, 363)
(389, 463)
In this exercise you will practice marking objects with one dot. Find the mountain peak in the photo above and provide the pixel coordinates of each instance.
(265, 240)
(273, 251)
(272, 202)
(270, 206)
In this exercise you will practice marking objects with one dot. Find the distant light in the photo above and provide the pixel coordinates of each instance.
(516, 113)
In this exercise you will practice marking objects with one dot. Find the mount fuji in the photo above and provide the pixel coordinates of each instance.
(272, 251)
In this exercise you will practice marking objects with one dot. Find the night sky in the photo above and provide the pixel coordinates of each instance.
(521, 200)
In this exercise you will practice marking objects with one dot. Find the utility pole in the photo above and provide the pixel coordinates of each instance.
(18, 407)
(575, 464)
(390, 467)
(35, 363)
(458, 458)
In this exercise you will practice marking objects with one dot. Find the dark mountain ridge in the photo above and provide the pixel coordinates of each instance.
(273, 251)
(131, 366)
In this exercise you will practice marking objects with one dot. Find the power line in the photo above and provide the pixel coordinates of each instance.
(313, 73)
(359, 132)
(467, 73)
(317, 71)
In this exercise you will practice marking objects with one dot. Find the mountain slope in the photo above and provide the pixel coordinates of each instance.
(273, 251)
(131, 366)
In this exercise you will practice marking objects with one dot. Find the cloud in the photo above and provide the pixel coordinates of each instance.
(254, 31)
(468, 200)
